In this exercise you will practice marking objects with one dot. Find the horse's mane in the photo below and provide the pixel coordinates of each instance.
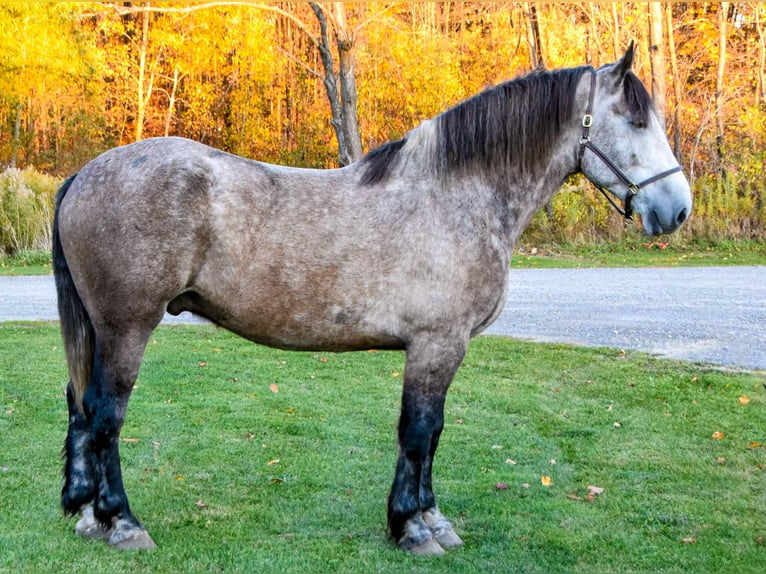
(508, 129)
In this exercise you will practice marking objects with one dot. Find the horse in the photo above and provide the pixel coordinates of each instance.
(406, 249)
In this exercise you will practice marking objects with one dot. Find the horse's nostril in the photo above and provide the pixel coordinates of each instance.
(681, 216)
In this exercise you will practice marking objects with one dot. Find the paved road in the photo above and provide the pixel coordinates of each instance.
(715, 314)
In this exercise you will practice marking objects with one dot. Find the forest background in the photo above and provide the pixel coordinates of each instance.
(319, 84)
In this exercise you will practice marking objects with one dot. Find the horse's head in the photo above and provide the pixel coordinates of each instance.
(624, 150)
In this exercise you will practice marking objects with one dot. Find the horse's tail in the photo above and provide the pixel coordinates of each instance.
(76, 326)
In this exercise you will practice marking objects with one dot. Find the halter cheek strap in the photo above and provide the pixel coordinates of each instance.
(585, 143)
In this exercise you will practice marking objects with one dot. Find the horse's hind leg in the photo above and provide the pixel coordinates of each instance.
(413, 518)
(80, 480)
(105, 402)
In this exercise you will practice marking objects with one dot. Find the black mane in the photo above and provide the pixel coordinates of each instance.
(509, 128)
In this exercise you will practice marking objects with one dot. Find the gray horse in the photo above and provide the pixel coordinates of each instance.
(407, 249)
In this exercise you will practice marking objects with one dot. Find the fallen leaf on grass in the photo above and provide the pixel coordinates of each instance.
(718, 435)
(273, 388)
(501, 486)
(200, 504)
(754, 445)
(743, 400)
(202, 364)
(129, 440)
(273, 462)
(546, 480)
(689, 540)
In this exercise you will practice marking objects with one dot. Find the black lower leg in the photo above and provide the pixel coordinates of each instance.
(80, 480)
(417, 428)
(105, 410)
(426, 497)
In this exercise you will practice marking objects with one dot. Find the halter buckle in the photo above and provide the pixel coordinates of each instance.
(587, 121)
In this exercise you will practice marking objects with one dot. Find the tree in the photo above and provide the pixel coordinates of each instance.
(657, 58)
(720, 115)
(343, 103)
(676, 81)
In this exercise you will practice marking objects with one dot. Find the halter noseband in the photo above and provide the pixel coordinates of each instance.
(585, 142)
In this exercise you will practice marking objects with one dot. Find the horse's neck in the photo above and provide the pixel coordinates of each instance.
(523, 196)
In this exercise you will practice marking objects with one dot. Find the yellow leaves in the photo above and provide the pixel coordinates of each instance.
(718, 435)
(274, 388)
(743, 400)
(546, 480)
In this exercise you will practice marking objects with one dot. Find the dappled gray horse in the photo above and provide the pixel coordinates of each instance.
(407, 248)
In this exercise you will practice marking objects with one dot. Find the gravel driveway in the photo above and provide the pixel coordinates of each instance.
(710, 314)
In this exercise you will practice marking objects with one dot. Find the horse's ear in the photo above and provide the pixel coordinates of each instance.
(624, 64)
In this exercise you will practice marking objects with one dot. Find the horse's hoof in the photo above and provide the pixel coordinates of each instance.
(428, 548)
(447, 538)
(131, 538)
(441, 529)
(88, 526)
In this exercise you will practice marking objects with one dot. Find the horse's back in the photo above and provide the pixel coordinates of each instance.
(288, 257)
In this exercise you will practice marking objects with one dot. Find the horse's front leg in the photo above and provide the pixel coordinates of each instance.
(414, 520)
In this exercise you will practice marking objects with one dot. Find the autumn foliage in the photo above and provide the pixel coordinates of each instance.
(253, 79)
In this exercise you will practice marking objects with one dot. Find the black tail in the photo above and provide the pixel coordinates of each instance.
(76, 327)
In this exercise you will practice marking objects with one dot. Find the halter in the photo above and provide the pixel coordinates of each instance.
(585, 142)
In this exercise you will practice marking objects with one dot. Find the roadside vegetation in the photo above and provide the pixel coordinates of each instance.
(240, 458)
(595, 238)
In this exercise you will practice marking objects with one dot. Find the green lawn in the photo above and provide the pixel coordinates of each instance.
(644, 252)
(239, 458)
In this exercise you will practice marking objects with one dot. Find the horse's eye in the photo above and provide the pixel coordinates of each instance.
(638, 124)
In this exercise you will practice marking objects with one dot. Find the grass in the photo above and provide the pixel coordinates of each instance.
(643, 252)
(230, 476)
(627, 253)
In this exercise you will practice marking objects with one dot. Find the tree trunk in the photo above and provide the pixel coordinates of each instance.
(350, 120)
(760, 92)
(677, 91)
(657, 57)
(615, 31)
(172, 100)
(330, 81)
(142, 98)
(723, 10)
(16, 143)
(533, 36)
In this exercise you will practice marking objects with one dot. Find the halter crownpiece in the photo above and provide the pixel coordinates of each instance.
(585, 143)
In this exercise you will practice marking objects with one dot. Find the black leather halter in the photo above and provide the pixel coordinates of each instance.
(586, 143)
